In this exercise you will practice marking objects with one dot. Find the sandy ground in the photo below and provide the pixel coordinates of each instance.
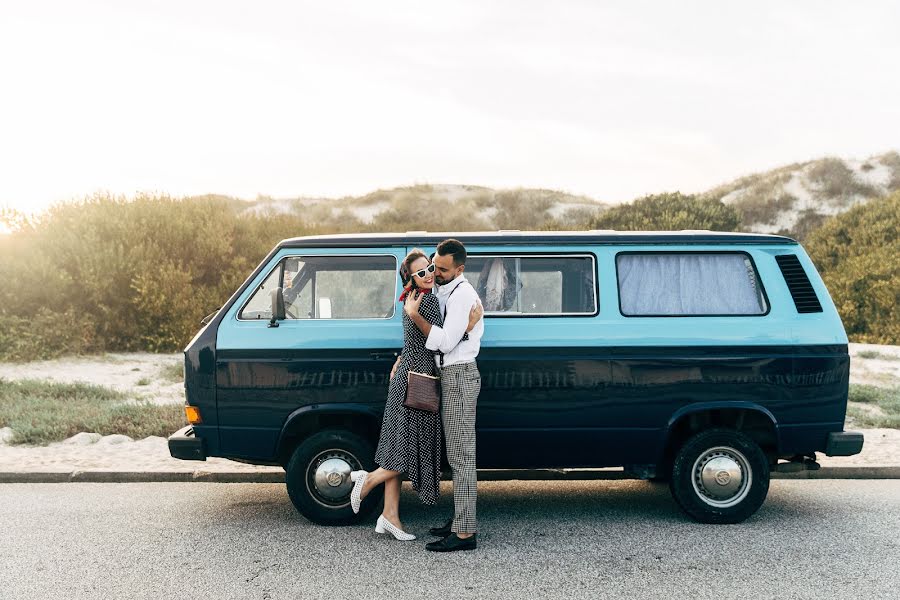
(121, 371)
(125, 371)
(149, 454)
(883, 371)
(880, 449)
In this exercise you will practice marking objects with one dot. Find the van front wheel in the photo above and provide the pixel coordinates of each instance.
(720, 476)
(318, 477)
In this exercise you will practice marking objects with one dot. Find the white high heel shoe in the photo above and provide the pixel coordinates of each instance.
(385, 526)
(359, 480)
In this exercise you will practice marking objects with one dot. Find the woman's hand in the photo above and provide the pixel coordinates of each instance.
(394, 368)
(475, 315)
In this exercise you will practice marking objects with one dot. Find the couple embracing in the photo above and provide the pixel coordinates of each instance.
(442, 329)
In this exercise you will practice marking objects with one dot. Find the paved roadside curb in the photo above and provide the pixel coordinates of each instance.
(844, 473)
(110, 476)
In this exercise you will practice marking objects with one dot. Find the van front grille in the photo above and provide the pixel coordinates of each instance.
(798, 283)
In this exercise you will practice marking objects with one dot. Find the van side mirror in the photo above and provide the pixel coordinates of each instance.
(277, 307)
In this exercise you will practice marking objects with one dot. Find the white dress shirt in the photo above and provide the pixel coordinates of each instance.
(456, 319)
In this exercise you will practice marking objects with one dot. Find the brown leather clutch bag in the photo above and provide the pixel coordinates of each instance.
(423, 392)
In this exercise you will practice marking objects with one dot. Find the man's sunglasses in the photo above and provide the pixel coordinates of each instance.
(422, 272)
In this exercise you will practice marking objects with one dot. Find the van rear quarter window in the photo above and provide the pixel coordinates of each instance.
(689, 284)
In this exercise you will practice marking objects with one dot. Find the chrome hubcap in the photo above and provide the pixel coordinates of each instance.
(329, 479)
(722, 477)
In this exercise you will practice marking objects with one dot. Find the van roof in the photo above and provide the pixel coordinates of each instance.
(425, 238)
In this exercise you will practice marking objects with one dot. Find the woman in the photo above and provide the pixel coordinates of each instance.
(411, 440)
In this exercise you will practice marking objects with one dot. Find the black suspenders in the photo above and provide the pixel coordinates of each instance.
(465, 335)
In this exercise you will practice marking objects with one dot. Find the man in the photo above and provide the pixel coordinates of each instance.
(460, 385)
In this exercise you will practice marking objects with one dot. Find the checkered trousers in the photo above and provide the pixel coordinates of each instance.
(460, 386)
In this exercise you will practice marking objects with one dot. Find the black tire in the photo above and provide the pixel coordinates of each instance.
(339, 445)
(726, 495)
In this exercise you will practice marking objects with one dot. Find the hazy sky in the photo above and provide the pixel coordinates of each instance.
(335, 98)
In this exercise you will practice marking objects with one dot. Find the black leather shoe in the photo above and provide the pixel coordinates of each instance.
(451, 543)
(442, 531)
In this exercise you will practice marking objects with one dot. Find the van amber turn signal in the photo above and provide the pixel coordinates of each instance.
(193, 414)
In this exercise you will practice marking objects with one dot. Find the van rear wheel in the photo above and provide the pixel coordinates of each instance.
(720, 476)
(318, 477)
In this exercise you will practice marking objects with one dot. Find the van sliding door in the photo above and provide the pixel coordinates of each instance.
(538, 381)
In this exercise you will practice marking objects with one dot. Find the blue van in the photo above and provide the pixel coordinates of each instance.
(700, 358)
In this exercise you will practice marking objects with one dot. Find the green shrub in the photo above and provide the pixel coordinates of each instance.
(416, 209)
(113, 274)
(671, 211)
(807, 221)
(526, 210)
(858, 256)
(46, 334)
(574, 219)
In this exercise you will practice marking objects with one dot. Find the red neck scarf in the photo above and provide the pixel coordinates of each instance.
(409, 288)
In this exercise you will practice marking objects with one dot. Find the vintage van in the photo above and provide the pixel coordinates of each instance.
(704, 359)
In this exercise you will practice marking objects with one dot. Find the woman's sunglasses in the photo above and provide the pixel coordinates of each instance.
(422, 272)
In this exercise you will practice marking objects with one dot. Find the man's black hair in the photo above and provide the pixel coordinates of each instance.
(454, 248)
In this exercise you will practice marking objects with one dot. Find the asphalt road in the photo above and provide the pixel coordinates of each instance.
(539, 539)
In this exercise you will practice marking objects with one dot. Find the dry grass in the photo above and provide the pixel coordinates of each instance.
(892, 161)
(872, 406)
(832, 180)
(173, 373)
(41, 412)
(877, 355)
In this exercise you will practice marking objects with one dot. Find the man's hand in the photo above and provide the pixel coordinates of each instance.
(475, 315)
(412, 303)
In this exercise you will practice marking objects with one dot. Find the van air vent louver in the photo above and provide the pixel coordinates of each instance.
(798, 283)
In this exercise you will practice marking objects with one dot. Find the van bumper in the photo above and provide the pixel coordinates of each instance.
(844, 443)
(183, 444)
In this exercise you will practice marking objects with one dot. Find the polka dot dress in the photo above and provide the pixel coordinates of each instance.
(411, 440)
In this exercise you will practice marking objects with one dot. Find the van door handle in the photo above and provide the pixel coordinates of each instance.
(382, 355)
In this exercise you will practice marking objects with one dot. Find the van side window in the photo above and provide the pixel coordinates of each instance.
(534, 285)
(681, 284)
(330, 287)
(260, 304)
